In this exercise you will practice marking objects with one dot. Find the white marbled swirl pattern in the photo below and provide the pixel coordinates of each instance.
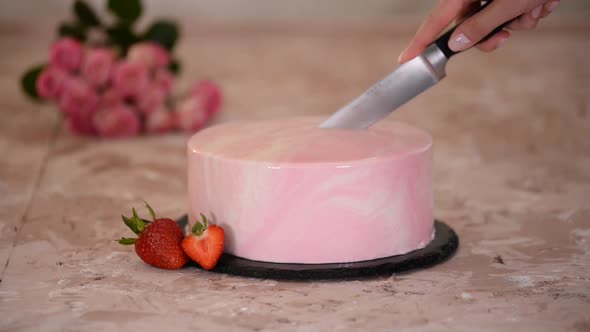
(285, 191)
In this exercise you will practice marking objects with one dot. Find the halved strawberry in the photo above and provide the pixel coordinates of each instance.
(205, 244)
(159, 241)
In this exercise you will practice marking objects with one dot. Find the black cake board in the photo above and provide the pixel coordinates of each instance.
(441, 248)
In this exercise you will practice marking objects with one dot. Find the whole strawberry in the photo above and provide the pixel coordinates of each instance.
(159, 241)
(205, 244)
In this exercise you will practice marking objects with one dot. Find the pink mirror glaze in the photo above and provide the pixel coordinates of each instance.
(287, 191)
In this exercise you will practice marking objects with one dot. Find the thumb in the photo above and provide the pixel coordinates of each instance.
(478, 26)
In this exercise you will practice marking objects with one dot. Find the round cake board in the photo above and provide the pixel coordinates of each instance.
(441, 248)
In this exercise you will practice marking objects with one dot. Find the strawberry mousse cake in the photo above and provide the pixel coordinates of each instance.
(286, 191)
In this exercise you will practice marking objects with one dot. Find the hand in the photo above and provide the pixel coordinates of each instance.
(527, 14)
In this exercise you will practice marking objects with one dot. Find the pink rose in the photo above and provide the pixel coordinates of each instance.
(97, 66)
(160, 121)
(209, 94)
(66, 53)
(78, 101)
(130, 78)
(165, 80)
(150, 99)
(81, 122)
(50, 83)
(77, 97)
(117, 122)
(150, 54)
(191, 115)
(110, 98)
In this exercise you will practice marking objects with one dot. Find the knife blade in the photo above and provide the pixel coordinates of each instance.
(409, 80)
(406, 82)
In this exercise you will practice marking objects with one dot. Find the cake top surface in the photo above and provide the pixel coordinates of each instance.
(299, 140)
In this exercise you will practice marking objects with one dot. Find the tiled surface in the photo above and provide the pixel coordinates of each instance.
(512, 176)
(239, 10)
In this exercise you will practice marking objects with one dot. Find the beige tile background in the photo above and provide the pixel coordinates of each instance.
(261, 9)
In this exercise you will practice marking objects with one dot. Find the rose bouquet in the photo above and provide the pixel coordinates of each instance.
(111, 81)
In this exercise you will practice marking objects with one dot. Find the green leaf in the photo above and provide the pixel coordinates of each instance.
(174, 66)
(204, 220)
(136, 224)
(127, 241)
(127, 11)
(72, 30)
(121, 35)
(130, 222)
(141, 225)
(198, 228)
(152, 213)
(29, 81)
(165, 33)
(85, 14)
(138, 221)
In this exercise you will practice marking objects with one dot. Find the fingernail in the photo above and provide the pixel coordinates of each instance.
(536, 13)
(459, 43)
(551, 6)
(401, 55)
(501, 42)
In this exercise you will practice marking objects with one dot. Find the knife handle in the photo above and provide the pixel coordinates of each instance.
(443, 41)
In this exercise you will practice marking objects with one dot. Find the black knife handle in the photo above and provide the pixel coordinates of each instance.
(443, 41)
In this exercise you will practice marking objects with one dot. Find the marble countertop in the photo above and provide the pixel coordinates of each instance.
(512, 177)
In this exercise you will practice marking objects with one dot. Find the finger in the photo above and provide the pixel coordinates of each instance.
(481, 24)
(527, 21)
(549, 7)
(467, 10)
(443, 15)
(495, 42)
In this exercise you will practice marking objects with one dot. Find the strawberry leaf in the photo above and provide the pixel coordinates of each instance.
(127, 241)
(135, 223)
(140, 224)
(131, 224)
(152, 213)
(204, 220)
(198, 228)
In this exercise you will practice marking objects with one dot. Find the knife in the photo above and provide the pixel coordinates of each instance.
(406, 82)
